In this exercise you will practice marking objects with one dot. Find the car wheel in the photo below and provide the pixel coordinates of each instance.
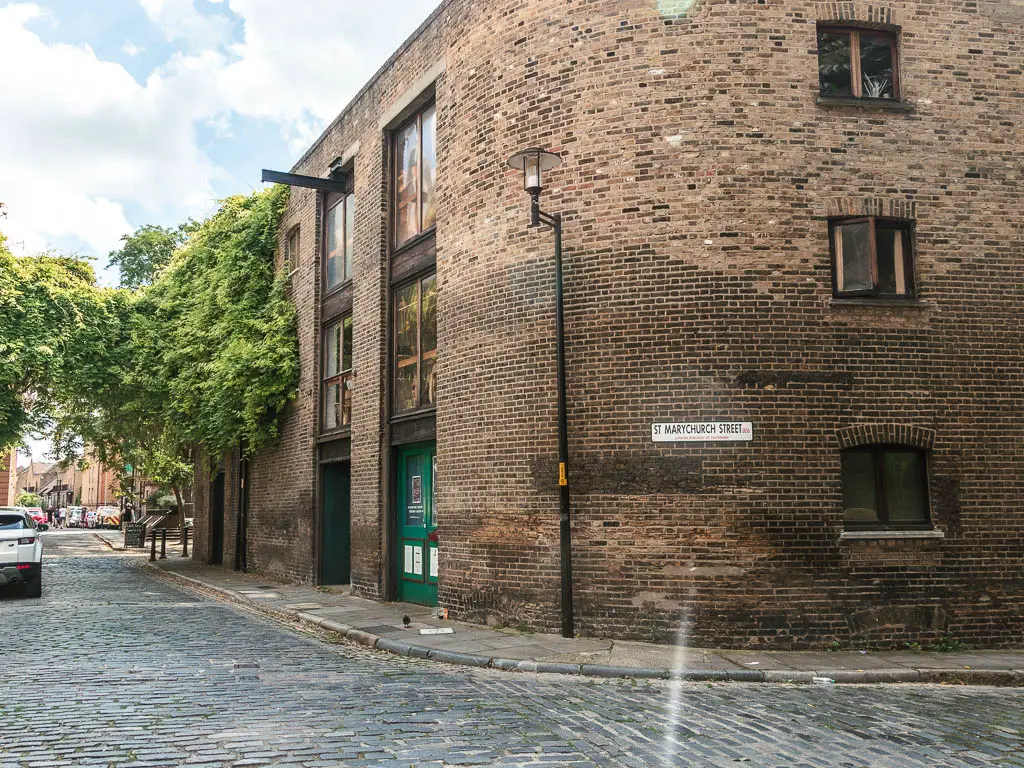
(34, 588)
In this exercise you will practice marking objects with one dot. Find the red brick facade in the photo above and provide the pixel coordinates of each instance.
(699, 177)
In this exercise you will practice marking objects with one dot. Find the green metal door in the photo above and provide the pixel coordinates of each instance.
(336, 546)
(417, 551)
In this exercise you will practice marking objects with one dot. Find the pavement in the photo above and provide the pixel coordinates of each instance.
(425, 635)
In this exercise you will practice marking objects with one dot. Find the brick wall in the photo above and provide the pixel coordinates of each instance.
(699, 175)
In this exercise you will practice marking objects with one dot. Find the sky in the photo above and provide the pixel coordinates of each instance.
(120, 113)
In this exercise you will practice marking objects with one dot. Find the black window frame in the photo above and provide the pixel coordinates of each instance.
(878, 450)
(419, 407)
(421, 231)
(344, 377)
(856, 76)
(346, 201)
(908, 245)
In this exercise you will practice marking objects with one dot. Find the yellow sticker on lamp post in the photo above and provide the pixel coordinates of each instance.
(562, 479)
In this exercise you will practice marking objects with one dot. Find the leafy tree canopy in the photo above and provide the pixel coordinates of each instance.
(206, 356)
(28, 500)
(146, 252)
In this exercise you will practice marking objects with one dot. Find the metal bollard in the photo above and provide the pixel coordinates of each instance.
(184, 542)
(152, 548)
(163, 543)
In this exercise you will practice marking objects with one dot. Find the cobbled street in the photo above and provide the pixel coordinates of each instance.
(116, 667)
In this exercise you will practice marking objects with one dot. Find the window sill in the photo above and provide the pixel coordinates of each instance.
(897, 535)
(892, 105)
(866, 302)
(413, 241)
(337, 288)
(415, 414)
(326, 437)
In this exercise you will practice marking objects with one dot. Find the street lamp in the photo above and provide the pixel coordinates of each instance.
(534, 162)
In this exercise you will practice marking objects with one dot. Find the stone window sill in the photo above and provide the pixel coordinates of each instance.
(896, 535)
(892, 105)
(867, 302)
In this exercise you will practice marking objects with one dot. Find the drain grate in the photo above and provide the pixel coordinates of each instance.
(382, 629)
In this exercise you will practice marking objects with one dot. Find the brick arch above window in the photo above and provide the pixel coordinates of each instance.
(885, 207)
(892, 434)
(856, 12)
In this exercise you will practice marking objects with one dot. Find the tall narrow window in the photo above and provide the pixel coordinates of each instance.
(292, 260)
(339, 241)
(857, 63)
(415, 344)
(415, 175)
(885, 486)
(338, 375)
(872, 257)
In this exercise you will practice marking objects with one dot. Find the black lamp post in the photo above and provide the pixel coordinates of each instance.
(533, 163)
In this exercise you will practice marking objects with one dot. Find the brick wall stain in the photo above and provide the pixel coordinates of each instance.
(698, 178)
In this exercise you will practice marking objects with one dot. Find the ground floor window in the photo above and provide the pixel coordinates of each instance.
(885, 487)
(338, 375)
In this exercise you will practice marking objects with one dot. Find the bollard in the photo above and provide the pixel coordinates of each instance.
(152, 548)
(163, 543)
(184, 541)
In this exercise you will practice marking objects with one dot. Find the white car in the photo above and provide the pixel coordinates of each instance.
(21, 550)
(74, 517)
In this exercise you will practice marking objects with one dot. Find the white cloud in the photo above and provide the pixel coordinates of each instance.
(81, 138)
(182, 22)
(131, 49)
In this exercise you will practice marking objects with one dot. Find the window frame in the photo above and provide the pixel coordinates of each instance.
(421, 232)
(908, 246)
(332, 201)
(418, 281)
(878, 451)
(344, 377)
(856, 76)
(291, 260)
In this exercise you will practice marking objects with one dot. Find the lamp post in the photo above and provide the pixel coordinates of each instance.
(533, 162)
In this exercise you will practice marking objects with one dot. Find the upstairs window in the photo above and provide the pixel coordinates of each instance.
(885, 487)
(415, 175)
(857, 63)
(872, 257)
(415, 344)
(292, 256)
(338, 375)
(339, 241)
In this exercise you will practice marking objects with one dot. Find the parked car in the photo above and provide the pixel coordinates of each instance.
(74, 517)
(108, 517)
(21, 550)
(37, 514)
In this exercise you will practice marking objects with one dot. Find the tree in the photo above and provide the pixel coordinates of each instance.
(146, 252)
(28, 500)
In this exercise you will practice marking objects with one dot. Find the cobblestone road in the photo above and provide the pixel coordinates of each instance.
(114, 667)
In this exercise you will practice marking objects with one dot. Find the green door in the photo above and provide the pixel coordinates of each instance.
(336, 547)
(417, 552)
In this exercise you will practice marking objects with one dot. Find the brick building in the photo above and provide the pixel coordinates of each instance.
(8, 479)
(799, 216)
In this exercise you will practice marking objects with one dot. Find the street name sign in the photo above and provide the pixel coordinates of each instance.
(702, 431)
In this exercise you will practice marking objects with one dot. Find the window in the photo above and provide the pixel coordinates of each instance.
(415, 344)
(415, 176)
(292, 260)
(872, 257)
(857, 63)
(338, 375)
(885, 486)
(339, 240)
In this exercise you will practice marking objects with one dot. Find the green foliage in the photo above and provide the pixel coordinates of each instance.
(206, 356)
(949, 644)
(28, 500)
(146, 252)
(218, 331)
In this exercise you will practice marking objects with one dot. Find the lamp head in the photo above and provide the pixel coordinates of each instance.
(534, 162)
